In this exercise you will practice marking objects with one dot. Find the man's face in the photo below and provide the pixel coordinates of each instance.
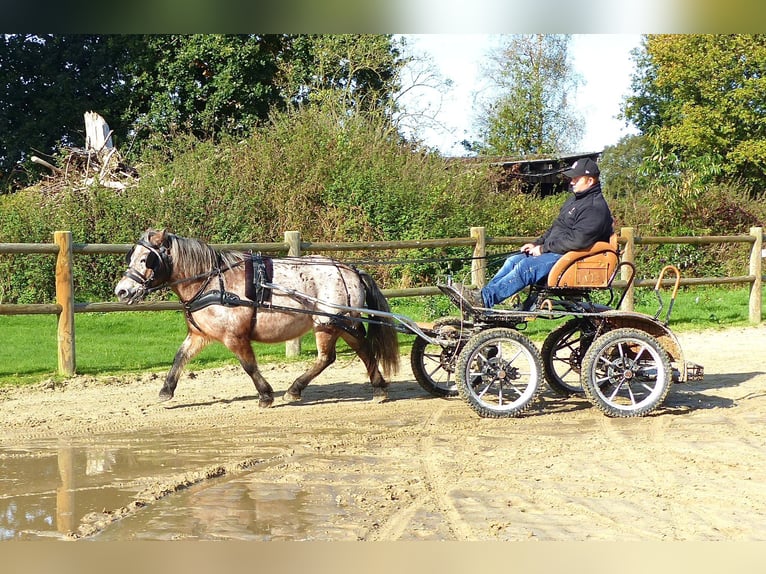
(581, 183)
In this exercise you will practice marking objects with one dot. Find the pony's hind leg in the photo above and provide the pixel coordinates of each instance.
(192, 345)
(361, 347)
(325, 340)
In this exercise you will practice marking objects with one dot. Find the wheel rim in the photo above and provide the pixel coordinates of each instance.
(563, 359)
(628, 373)
(434, 364)
(439, 366)
(501, 374)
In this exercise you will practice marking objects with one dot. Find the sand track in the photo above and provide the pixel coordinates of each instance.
(424, 468)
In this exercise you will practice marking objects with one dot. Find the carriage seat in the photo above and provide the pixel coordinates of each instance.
(588, 268)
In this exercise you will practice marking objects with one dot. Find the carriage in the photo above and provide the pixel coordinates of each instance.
(623, 362)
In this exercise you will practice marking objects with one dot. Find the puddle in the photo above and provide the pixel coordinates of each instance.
(48, 487)
(244, 508)
(88, 487)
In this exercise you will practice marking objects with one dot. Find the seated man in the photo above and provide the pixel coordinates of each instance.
(584, 219)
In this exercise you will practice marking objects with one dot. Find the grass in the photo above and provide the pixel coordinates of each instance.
(108, 343)
(117, 343)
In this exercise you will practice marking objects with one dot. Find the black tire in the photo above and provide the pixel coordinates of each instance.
(626, 373)
(499, 372)
(434, 365)
(562, 353)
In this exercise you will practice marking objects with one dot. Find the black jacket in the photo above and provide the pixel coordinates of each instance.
(584, 219)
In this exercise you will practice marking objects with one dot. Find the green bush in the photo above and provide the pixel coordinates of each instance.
(349, 179)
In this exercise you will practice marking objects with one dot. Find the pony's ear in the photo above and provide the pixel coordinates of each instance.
(158, 238)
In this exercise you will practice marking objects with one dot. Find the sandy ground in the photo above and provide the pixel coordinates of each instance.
(423, 468)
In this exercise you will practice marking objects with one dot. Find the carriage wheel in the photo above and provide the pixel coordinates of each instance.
(562, 353)
(626, 373)
(499, 373)
(434, 365)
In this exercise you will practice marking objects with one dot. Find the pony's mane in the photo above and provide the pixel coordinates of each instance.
(194, 257)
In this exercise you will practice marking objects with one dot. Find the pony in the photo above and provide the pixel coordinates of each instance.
(236, 297)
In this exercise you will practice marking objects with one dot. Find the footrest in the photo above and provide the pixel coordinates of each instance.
(455, 296)
(694, 372)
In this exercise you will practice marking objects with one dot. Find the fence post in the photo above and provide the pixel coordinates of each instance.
(479, 261)
(65, 298)
(293, 240)
(629, 255)
(756, 270)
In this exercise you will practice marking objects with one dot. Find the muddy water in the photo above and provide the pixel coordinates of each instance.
(49, 489)
(244, 508)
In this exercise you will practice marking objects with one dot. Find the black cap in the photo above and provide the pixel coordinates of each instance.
(585, 166)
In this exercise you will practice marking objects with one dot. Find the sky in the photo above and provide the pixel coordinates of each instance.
(602, 60)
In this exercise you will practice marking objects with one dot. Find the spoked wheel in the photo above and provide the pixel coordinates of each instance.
(434, 365)
(626, 373)
(562, 353)
(499, 372)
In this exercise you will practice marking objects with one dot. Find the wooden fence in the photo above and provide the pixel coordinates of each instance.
(66, 307)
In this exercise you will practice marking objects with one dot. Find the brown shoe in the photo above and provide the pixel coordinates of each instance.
(461, 295)
(472, 296)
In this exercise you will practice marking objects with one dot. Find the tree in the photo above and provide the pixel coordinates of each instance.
(47, 82)
(205, 83)
(358, 73)
(701, 99)
(622, 167)
(209, 83)
(532, 111)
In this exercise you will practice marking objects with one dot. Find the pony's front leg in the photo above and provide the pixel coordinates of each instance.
(192, 345)
(242, 348)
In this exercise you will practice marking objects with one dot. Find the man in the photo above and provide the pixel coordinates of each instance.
(584, 219)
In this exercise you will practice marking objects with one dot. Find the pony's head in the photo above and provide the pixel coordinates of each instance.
(149, 267)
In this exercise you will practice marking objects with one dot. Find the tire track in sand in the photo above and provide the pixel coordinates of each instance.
(435, 491)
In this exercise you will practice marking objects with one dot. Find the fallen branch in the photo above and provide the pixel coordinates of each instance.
(99, 162)
(50, 166)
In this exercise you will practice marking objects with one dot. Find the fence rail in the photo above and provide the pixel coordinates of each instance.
(293, 245)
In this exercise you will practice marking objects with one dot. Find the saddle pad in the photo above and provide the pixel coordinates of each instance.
(258, 270)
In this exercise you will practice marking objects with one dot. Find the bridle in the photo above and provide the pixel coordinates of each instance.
(158, 262)
(160, 265)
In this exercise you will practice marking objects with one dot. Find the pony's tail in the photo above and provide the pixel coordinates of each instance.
(381, 334)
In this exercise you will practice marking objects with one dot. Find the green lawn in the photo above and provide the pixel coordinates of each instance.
(110, 343)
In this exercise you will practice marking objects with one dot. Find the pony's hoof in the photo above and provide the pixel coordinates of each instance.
(291, 398)
(379, 395)
(165, 396)
(265, 403)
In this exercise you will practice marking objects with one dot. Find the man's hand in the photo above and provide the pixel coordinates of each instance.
(532, 249)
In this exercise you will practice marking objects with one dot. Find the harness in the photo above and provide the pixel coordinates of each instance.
(258, 288)
(258, 272)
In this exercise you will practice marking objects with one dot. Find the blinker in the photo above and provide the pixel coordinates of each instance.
(157, 261)
(152, 261)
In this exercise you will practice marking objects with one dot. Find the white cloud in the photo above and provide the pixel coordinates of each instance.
(603, 61)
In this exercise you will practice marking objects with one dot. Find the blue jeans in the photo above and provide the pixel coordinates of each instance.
(517, 272)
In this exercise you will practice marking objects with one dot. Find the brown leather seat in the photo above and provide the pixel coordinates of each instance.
(589, 268)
